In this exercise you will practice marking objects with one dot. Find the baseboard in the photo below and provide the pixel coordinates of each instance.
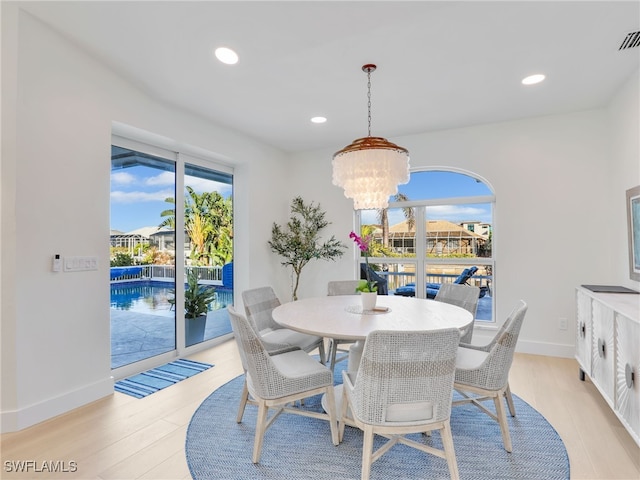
(14, 420)
(527, 346)
(548, 349)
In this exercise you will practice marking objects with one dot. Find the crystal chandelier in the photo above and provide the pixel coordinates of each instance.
(371, 168)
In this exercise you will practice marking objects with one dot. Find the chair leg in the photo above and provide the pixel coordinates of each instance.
(333, 420)
(343, 414)
(449, 450)
(367, 449)
(261, 426)
(512, 408)
(502, 420)
(244, 397)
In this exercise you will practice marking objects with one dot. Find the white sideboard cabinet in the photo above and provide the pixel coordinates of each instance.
(608, 350)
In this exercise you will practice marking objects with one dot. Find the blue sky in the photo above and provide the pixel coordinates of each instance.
(436, 184)
(138, 195)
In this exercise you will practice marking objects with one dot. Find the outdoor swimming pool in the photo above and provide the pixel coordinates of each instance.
(143, 324)
(142, 297)
(152, 297)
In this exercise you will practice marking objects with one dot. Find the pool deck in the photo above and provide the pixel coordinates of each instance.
(136, 336)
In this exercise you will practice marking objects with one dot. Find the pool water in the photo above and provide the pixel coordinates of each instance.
(153, 298)
(143, 297)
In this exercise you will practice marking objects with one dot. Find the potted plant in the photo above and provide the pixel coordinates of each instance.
(299, 240)
(197, 299)
(368, 289)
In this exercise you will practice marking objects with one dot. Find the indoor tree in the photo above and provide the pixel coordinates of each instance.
(298, 242)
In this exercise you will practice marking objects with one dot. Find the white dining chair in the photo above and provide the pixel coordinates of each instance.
(404, 385)
(278, 381)
(465, 296)
(340, 287)
(482, 372)
(259, 304)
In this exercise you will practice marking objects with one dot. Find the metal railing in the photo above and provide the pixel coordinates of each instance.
(399, 279)
(206, 275)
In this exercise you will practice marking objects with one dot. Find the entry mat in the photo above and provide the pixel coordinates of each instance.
(156, 379)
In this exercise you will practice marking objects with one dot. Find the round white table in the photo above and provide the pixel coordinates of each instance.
(342, 317)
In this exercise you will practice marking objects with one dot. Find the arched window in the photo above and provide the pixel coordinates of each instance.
(437, 229)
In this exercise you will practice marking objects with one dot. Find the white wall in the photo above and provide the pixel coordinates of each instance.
(559, 214)
(625, 170)
(58, 106)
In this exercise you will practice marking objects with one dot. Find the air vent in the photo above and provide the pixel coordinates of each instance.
(631, 40)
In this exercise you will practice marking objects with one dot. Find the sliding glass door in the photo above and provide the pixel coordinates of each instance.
(164, 259)
(142, 273)
(208, 225)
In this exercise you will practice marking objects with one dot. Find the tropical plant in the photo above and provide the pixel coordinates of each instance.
(208, 222)
(197, 297)
(299, 240)
(121, 259)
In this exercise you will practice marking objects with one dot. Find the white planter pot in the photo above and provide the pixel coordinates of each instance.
(368, 300)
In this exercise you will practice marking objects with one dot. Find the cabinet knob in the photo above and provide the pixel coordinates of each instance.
(629, 375)
(583, 329)
(602, 348)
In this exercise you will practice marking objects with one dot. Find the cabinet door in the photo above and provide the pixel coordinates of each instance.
(627, 368)
(602, 354)
(583, 331)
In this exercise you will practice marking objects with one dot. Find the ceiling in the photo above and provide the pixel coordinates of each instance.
(440, 65)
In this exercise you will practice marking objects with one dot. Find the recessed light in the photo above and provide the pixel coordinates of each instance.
(226, 55)
(533, 79)
(318, 119)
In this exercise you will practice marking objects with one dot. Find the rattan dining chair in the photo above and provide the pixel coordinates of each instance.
(259, 304)
(404, 385)
(482, 372)
(465, 296)
(278, 381)
(339, 287)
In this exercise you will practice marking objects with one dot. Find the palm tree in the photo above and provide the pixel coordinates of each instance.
(383, 217)
(208, 221)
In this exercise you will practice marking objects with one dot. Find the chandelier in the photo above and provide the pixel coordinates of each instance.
(371, 168)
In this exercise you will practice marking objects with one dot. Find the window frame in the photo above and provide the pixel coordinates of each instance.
(420, 208)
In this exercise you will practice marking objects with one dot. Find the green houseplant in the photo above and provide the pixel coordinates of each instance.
(299, 240)
(197, 299)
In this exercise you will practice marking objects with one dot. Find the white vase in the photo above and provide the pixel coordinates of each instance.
(368, 300)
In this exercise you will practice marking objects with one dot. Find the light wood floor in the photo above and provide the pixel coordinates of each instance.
(120, 437)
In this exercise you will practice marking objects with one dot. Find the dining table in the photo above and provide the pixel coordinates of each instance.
(343, 317)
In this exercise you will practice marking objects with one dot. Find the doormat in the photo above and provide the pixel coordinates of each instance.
(156, 379)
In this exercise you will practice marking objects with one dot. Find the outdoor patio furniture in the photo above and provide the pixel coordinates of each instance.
(409, 290)
(381, 282)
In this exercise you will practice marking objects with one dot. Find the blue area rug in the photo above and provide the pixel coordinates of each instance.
(298, 447)
(151, 381)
